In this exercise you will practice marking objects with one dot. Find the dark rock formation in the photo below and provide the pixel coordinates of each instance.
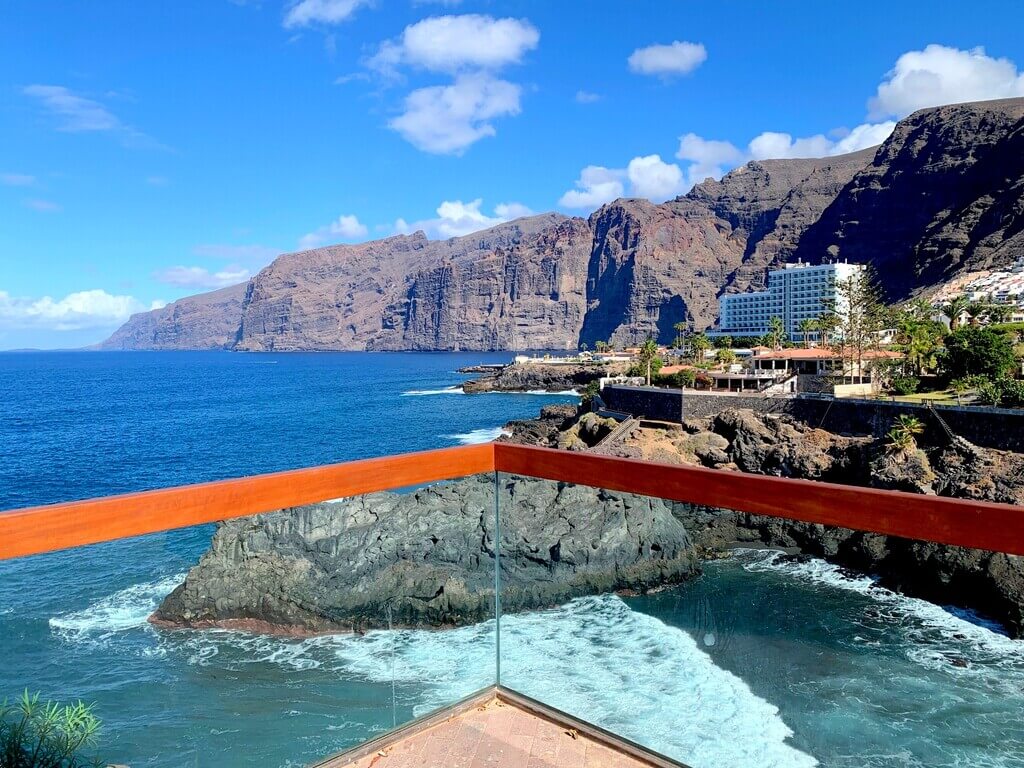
(531, 377)
(741, 440)
(427, 558)
(545, 431)
(943, 195)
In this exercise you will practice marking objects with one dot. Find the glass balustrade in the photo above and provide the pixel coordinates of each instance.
(272, 640)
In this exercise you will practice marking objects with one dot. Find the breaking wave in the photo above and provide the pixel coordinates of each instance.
(593, 657)
(128, 608)
(457, 390)
(475, 436)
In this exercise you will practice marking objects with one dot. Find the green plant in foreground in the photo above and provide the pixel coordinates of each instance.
(45, 734)
(901, 438)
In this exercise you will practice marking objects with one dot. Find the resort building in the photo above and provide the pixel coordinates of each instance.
(798, 292)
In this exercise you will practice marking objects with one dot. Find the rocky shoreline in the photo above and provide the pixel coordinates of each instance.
(426, 559)
(535, 377)
(989, 583)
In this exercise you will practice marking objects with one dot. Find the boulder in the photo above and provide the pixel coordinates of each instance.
(427, 558)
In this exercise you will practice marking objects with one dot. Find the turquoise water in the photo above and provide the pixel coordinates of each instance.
(758, 662)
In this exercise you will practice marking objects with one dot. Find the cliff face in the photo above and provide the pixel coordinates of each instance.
(944, 194)
(206, 321)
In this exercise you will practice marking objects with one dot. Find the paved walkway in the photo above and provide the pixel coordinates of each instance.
(496, 734)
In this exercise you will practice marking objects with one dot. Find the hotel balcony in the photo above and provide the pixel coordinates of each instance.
(470, 606)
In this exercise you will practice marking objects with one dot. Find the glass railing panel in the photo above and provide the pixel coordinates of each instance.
(723, 639)
(297, 634)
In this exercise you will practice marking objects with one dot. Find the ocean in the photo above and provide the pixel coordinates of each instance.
(760, 661)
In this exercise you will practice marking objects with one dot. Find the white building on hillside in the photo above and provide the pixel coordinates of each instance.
(797, 292)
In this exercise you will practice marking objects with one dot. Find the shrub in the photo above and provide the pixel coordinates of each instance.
(905, 385)
(589, 392)
(35, 734)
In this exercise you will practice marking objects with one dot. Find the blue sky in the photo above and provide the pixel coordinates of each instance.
(151, 151)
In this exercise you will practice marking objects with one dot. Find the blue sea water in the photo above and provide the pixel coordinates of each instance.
(758, 662)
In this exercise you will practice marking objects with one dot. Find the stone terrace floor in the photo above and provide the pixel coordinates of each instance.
(496, 733)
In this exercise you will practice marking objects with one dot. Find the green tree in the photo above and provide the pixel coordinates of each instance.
(776, 332)
(680, 329)
(828, 324)
(35, 734)
(920, 340)
(861, 315)
(999, 313)
(807, 326)
(955, 309)
(583, 347)
(977, 352)
(648, 354)
(698, 343)
(976, 312)
(725, 357)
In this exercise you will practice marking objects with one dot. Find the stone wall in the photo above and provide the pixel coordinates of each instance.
(998, 428)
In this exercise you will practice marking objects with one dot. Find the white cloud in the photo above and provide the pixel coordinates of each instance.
(200, 277)
(707, 157)
(76, 113)
(653, 178)
(459, 43)
(596, 186)
(677, 58)
(342, 228)
(863, 136)
(648, 176)
(942, 75)
(445, 119)
(775, 145)
(17, 179)
(456, 218)
(76, 311)
(586, 97)
(307, 12)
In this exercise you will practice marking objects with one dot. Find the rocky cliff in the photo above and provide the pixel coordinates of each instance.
(943, 195)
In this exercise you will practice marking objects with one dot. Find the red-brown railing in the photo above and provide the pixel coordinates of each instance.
(998, 527)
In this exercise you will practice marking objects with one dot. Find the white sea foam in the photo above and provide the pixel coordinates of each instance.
(457, 390)
(475, 436)
(936, 634)
(125, 609)
(594, 657)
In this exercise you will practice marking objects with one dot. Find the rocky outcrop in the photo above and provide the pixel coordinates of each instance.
(741, 440)
(427, 558)
(532, 377)
(942, 196)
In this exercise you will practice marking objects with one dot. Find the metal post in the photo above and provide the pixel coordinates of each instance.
(497, 582)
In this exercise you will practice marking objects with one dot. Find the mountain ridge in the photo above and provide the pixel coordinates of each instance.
(944, 194)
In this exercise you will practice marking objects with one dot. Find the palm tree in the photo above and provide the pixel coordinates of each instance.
(776, 332)
(976, 312)
(901, 437)
(999, 313)
(699, 344)
(828, 323)
(807, 326)
(648, 351)
(954, 309)
(680, 329)
(920, 309)
(725, 357)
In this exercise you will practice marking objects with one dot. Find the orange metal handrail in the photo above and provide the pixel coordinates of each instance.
(998, 527)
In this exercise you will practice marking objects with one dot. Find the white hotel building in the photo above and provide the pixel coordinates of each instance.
(796, 292)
